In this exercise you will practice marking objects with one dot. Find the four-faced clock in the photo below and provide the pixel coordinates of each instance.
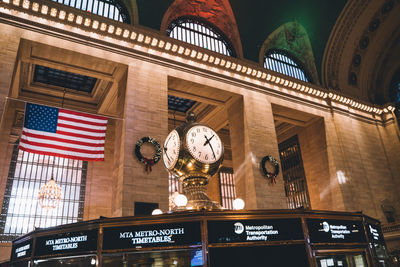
(171, 149)
(204, 144)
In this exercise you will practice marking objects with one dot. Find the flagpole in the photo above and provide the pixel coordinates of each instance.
(54, 106)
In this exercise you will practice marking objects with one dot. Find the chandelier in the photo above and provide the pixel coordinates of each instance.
(49, 195)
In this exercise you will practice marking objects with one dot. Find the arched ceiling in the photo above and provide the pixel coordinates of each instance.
(259, 18)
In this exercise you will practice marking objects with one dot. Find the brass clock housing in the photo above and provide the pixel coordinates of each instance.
(194, 174)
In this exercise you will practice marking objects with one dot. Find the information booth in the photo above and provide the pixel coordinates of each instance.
(209, 238)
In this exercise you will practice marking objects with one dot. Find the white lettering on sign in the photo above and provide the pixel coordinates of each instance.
(256, 232)
(66, 242)
(152, 236)
(337, 231)
(21, 251)
(374, 232)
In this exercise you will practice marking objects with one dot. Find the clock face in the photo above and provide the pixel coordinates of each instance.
(204, 144)
(171, 149)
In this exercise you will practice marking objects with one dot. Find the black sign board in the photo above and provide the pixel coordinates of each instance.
(254, 230)
(153, 235)
(21, 250)
(62, 243)
(335, 231)
(375, 234)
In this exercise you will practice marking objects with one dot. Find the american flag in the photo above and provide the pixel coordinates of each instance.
(63, 133)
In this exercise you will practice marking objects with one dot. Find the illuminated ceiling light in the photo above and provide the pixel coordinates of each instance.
(71, 17)
(16, 2)
(95, 24)
(374, 109)
(244, 69)
(35, 7)
(199, 55)
(277, 80)
(290, 84)
(306, 89)
(87, 22)
(187, 51)
(118, 32)
(103, 26)
(134, 35)
(325, 95)
(147, 40)
(264, 75)
(385, 110)
(211, 59)
(330, 95)
(380, 111)
(79, 20)
(259, 73)
(154, 42)
(173, 49)
(238, 204)
(282, 81)
(111, 29)
(302, 88)
(294, 85)
(273, 78)
(298, 86)
(156, 212)
(253, 73)
(193, 54)
(341, 99)
(217, 60)
(239, 67)
(310, 91)
(25, 4)
(348, 101)
(269, 77)
(223, 62)
(53, 12)
(390, 108)
(49, 195)
(286, 83)
(161, 44)
(180, 50)
(125, 34)
(205, 57)
(228, 64)
(6, 1)
(233, 66)
(44, 10)
(141, 38)
(249, 70)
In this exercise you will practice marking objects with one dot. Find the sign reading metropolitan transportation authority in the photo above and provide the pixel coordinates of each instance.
(154, 235)
(335, 231)
(254, 230)
(81, 241)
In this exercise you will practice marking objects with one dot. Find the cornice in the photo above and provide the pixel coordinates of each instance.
(129, 39)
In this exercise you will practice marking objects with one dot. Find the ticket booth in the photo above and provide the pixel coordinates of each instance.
(209, 238)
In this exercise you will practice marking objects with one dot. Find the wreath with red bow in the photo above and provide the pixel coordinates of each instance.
(266, 173)
(146, 161)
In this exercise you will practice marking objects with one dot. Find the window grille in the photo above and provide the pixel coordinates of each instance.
(227, 187)
(280, 61)
(293, 174)
(106, 8)
(200, 33)
(28, 172)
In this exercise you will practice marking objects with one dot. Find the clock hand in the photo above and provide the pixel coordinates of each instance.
(212, 150)
(208, 140)
(165, 152)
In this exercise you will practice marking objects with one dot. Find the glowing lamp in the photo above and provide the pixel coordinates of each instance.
(49, 195)
(180, 200)
(238, 204)
(157, 212)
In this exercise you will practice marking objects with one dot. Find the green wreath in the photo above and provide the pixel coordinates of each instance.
(266, 173)
(146, 161)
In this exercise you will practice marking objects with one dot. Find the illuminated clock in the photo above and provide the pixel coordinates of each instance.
(204, 144)
(171, 149)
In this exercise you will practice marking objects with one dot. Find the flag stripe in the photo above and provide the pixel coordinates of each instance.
(83, 133)
(66, 138)
(62, 143)
(81, 116)
(60, 149)
(81, 127)
(81, 121)
(63, 155)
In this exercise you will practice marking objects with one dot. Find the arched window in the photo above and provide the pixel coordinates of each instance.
(281, 61)
(197, 32)
(112, 9)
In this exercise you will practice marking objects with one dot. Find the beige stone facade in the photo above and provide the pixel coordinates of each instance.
(335, 137)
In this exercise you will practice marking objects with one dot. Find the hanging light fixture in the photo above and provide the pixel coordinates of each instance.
(49, 195)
